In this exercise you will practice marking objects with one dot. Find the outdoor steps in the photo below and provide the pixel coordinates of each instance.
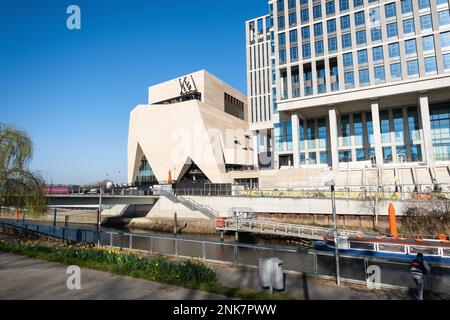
(405, 176)
(442, 175)
(356, 178)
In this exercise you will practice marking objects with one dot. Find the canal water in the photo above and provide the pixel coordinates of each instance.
(228, 238)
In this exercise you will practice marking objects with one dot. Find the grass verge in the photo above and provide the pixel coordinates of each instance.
(189, 274)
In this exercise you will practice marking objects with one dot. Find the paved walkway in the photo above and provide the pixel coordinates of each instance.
(305, 288)
(24, 278)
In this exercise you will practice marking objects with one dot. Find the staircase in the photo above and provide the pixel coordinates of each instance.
(191, 204)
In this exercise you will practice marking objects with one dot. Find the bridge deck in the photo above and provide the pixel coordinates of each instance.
(279, 229)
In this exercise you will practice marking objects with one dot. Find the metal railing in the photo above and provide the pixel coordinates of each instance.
(280, 229)
(191, 204)
(348, 193)
(395, 274)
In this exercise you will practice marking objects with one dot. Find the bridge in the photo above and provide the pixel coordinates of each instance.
(93, 201)
(279, 229)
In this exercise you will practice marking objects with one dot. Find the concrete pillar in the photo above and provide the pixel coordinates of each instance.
(377, 132)
(332, 115)
(255, 149)
(427, 138)
(295, 139)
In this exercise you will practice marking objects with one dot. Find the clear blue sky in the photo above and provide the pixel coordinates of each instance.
(72, 91)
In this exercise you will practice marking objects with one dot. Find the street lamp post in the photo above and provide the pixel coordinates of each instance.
(332, 185)
(99, 216)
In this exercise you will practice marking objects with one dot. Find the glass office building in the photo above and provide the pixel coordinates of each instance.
(342, 83)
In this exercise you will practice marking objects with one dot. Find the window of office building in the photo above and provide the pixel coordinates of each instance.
(345, 22)
(292, 19)
(401, 153)
(306, 50)
(346, 41)
(302, 135)
(280, 5)
(331, 26)
(343, 5)
(288, 126)
(399, 128)
(318, 30)
(305, 33)
(349, 79)
(444, 17)
(346, 131)
(282, 56)
(317, 12)
(359, 18)
(360, 154)
(408, 26)
(394, 50)
(380, 75)
(330, 8)
(332, 44)
(321, 82)
(293, 37)
(311, 133)
(387, 154)
(376, 34)
(281, 23)
(416, 153)
(358, 3)
(391, 30)
(361, 37)
(426, 22)
(385, 127)
(440, 130)
(377, 53)
(413, 124)
(410, 47)
(430, 65)
(322, 131)
(281, 39)
(358, 130)
(364, 77)
(446, 60)
(412, 68)
(438, 2)
(292, 4)
(369, 127)
(428, 43)
(324, 157)
(424, 4)
(396, 71)
(307, 79)
(389, 10)
(406, 6)
(445, 40)
(294, 53)
(319, 47)
(278, 136)
(234, 106)
(334, 74)
(295, 79)
(362, 56)
(304, 15)
(345, 156)
(348, 60)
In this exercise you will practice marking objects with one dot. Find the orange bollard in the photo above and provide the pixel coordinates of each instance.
(392, 221)
(17, 215)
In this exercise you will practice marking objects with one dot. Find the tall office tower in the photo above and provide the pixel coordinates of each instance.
(350, 83)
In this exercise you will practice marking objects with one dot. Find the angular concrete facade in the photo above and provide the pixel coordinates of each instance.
(196, 119)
